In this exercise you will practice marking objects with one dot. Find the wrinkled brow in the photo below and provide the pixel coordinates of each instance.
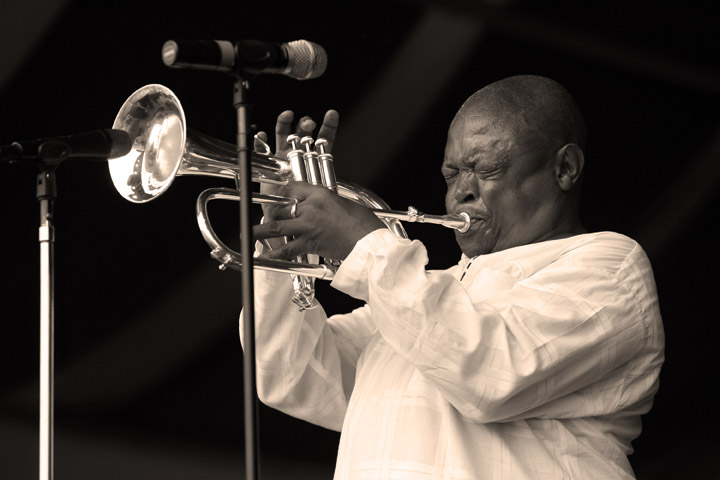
(481, 158)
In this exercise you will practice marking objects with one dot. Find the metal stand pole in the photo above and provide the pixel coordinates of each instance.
(248, 297)
(50, 154)
(46, 194)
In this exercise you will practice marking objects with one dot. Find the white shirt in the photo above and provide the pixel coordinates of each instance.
(534, 362)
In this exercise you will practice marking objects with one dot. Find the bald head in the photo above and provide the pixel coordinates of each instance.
(535, 108)
(513, 163)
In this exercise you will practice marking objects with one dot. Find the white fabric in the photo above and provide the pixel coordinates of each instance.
(534, 362)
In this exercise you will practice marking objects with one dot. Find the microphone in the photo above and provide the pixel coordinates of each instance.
(98, 144)
(299, 59)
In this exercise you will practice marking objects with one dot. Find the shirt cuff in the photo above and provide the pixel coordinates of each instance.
(352, 276)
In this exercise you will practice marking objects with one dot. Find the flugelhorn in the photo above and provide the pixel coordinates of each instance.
(164, 148)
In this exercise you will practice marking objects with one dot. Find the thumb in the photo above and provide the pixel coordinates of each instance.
(260, 143)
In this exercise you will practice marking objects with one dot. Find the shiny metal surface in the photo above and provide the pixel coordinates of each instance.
(229, 258)
(164, 148)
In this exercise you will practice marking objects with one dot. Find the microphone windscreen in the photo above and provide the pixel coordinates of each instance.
(120, 143)
(306, 60)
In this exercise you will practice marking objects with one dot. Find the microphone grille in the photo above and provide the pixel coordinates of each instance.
(306, 60)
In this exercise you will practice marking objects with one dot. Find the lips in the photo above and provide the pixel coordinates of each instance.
(476, 222)
(477, 217)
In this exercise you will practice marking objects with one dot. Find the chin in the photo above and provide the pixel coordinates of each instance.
(472, 247)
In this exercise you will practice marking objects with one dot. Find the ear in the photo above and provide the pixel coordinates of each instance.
(569, 163)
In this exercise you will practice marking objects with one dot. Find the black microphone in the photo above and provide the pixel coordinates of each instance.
(298, 59)
(98, 144)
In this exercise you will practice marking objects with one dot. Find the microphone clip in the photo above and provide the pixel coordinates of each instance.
(50, 154)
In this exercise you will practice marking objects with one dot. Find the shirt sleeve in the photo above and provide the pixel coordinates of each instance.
(544, 338)
(305, 361)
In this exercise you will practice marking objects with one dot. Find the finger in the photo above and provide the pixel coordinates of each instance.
(288, 251)
(328, 130)
(283, 128)
(260, 142)
(277, 228)
(306, 126)
(285, 212)
(302, 191)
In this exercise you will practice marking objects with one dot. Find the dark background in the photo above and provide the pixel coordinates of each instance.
(148, 362)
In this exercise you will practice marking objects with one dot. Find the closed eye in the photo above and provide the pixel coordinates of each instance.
(491, 172)
(449, 173)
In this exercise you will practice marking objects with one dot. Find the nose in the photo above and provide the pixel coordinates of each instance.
(466, 188)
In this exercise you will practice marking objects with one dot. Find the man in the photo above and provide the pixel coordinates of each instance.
(533, 358)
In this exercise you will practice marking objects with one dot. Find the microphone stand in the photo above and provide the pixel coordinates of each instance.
(47, 194)
(50, 154)
(242, 181)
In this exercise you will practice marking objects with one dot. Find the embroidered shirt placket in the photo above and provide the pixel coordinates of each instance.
(467, 267)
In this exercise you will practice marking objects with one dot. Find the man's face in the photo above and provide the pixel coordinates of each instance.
(506, 186)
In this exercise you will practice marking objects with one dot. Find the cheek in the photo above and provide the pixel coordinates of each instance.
(527, 198)
(507, 204)
(495, 196)
(450, 200)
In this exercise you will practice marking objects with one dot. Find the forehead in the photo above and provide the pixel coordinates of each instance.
(476, 138)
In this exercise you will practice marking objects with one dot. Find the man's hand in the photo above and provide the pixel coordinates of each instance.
(305, 127)
(323, 223)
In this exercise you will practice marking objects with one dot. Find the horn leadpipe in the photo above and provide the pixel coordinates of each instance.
(459, 222)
